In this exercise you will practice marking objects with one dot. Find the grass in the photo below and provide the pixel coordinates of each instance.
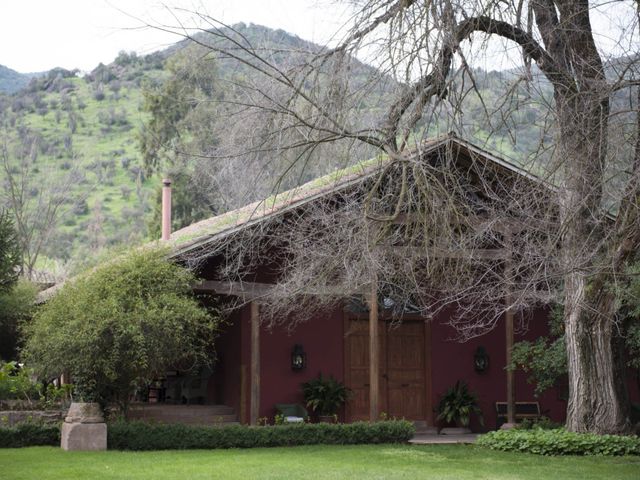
(317, 462)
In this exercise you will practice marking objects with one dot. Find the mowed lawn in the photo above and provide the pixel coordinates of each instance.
(306, 463)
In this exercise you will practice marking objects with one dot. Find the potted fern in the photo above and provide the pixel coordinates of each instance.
(325, 396)
(457, 406)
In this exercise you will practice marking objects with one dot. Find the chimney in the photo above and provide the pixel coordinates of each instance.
(166, 209)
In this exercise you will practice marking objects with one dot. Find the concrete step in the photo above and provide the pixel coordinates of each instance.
(423, 428)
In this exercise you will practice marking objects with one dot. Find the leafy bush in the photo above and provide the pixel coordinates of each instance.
(29, 435)
(16, 383)
(325, 395)
(543, 422)
(120, 325)
(144, 436)
(458, 404)
(559, 442)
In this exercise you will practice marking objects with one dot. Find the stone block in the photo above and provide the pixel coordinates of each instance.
(83, 436)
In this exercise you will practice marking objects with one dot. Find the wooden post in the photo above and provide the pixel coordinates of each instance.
(243, 395)
(511, 395)
(255, 364)
(427, 372)
(374, 354)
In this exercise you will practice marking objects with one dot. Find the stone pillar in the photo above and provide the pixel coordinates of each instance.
(84, 428)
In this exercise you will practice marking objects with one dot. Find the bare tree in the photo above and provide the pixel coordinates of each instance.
(582, 227)
(36, 207)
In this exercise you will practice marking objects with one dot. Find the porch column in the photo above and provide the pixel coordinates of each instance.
(255, 364)
(374, 354)
(511, 395)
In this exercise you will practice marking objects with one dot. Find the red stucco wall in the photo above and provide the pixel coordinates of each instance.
(323, 340)
(452, 361)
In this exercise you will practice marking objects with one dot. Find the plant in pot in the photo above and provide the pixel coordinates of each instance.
(456, 407)
(324, 396)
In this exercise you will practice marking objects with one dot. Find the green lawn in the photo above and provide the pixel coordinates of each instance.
(307, 463)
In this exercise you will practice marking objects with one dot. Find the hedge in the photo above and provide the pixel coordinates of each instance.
(145, 436)
(560, 442)
(29, 435)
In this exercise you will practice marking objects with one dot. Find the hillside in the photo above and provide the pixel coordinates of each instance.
(76, 140)
(12, 81)
(76, 137)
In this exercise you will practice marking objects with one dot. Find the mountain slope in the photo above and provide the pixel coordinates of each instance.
(12, 81)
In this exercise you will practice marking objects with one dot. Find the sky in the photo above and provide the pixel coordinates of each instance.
(37, 35)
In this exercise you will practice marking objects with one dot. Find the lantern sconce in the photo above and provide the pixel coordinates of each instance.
(298, 358)
(480, 360)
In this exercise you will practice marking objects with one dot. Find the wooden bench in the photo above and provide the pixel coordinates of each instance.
(524, 410)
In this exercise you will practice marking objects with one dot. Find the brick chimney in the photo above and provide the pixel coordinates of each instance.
(166, 209)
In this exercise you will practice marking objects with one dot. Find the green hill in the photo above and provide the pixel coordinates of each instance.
(12, 81)
(76, 140)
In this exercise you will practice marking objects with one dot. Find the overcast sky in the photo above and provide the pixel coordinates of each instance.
(37, 35)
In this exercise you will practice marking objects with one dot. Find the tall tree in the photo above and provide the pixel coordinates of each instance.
(10, 255)
(429, 48)
(36, 208)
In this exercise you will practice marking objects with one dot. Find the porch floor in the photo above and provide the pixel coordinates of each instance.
(434, 438)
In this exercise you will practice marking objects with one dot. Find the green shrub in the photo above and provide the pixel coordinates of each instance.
(29, 435)
(16, 383)
(458, 404)
(120, 325)
(144, 436)
(325, 395)
(545, 423)
(560, 442)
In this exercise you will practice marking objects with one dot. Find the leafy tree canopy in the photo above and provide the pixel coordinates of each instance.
(10, 256)
(120, 325)
(16, 306)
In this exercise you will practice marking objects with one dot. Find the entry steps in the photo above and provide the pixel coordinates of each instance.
(422, 428)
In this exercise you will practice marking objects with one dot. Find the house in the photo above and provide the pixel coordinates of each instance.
(414, 361)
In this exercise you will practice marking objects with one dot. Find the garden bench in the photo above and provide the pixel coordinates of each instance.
(292, 412)
(524, 410)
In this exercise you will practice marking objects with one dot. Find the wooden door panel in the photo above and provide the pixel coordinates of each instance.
(357, 353)
(402, 369)
(405, 371)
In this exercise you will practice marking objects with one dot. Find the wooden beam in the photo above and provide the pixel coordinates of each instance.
(254, 290)
(501, 225)
(435, 252)
(255, 364)
(374, 354)
(245, 290)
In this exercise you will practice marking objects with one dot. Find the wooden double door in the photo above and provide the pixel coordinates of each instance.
(404, 383)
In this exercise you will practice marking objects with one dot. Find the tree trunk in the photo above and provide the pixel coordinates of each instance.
(598, 400)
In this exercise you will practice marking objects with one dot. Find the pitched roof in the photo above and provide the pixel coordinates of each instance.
(199, 234)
